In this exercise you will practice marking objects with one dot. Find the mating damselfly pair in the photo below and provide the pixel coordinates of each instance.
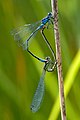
(20, 35)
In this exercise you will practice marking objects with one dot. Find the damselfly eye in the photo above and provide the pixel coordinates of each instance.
(50, 14)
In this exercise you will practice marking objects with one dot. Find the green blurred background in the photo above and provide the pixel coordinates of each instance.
(20, 72)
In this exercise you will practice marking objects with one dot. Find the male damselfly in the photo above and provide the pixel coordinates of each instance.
(24, 33)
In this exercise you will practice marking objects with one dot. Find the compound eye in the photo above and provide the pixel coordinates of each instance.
(49, 13)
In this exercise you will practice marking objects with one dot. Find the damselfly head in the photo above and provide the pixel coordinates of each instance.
(50, 15)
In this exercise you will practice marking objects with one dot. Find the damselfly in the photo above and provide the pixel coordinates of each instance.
(24, 33)
(20, 35)
(38, 96)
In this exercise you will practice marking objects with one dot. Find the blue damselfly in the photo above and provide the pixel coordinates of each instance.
(20, 34)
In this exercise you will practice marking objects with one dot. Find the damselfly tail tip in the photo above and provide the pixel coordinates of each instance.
(32, 108)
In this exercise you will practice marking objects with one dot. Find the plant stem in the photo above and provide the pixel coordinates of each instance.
(58, 57)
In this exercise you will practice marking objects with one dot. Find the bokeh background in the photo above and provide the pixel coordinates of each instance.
(20, 72)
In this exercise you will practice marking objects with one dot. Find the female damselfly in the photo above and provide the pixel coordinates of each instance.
(38, 96)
